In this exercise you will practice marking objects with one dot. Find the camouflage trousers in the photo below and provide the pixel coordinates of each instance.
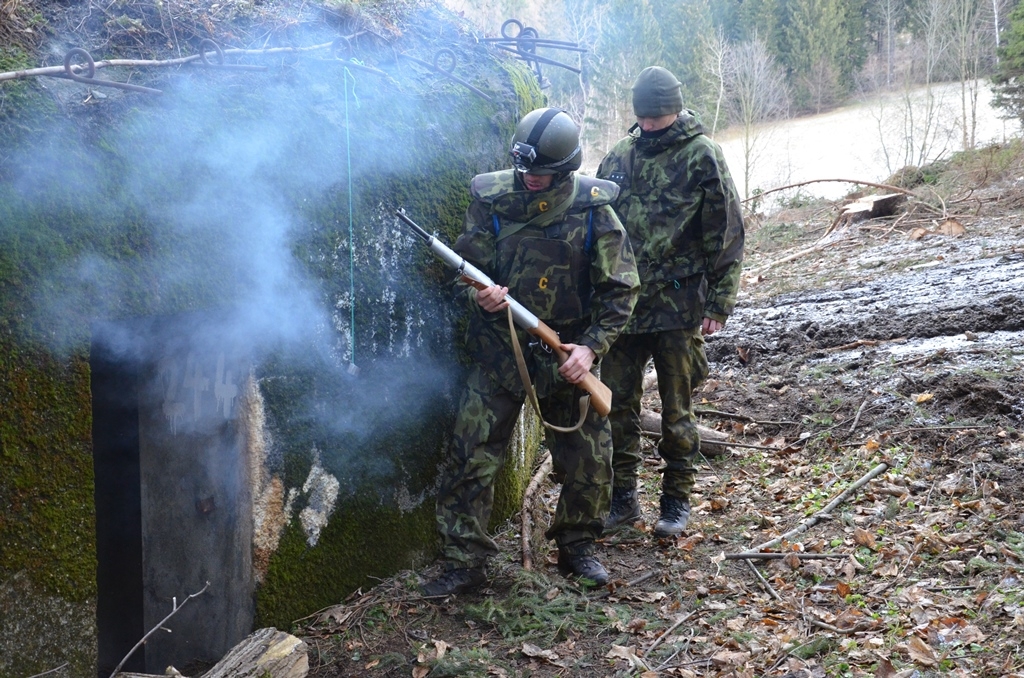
(682, 366)
(581, 461)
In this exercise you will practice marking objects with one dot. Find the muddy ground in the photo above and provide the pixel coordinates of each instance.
(884, 354)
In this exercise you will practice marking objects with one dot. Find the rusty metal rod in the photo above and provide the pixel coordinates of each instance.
(543, 60)
(539, 42)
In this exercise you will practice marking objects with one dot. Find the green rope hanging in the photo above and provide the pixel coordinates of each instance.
(351, 244)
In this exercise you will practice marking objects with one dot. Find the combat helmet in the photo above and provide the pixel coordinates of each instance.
(547, 141)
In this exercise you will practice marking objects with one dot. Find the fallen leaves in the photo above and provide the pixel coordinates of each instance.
(863, 538)
(948, 227)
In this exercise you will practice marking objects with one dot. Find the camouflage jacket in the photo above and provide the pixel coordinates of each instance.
(562, 253)
(681, 210)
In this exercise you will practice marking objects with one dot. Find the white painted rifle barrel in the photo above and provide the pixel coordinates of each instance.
(520, 314)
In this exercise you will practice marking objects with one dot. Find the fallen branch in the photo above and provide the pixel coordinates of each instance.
(771, 555)
(825, 512)
(741, 417)
(712, 442)
(860, 411)
(46, 673)
(193, 59)
(854, 344)
(940, 428)
(835, 629)
(524, 514)
(842, 181)
(669, 630)
(266, 653)
(764, 583)
(655, 435)
(639, 580)
(796, 255)
(160, 625)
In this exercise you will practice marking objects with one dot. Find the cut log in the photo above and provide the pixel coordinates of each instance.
(266, 653)
(712, 443)
(872, 206)
(868, 207)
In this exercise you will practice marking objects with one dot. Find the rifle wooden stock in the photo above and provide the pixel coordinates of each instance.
(600, 395)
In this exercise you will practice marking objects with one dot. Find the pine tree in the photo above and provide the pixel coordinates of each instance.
(630, 41)
(1008, 81)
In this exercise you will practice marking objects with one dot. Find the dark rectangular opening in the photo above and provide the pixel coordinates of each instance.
(115, 435)
(173, 497)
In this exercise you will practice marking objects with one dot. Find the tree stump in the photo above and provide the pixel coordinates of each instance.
(868, 207)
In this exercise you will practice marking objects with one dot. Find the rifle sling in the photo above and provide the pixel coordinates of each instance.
(531, 394)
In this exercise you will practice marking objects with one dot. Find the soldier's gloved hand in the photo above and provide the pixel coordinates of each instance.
(710, 326)
(577, 365)
(492, 299)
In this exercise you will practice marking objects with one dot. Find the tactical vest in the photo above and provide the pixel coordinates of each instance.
(543, 240)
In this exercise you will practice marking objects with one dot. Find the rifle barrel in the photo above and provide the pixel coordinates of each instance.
(414, 226)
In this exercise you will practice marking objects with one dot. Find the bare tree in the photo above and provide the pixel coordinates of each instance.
(714, 49)
(585, 22)
(967, 42)
(891, 11)
(756, 92)
(911, 131)
(821, 83)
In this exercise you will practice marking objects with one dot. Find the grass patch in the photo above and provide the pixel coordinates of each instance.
(538, 609)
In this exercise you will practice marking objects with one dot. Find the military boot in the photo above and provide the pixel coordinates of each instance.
(674, 514)
(454, 580)
(625, 509)
(578, 562)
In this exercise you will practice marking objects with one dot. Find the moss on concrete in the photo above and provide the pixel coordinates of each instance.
(365, 541)
(46, 528)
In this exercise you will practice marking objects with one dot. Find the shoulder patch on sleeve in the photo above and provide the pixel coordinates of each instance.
(487, 187)
(595, 192)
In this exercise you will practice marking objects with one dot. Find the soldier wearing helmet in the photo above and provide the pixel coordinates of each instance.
(551, 241)
(680, 207)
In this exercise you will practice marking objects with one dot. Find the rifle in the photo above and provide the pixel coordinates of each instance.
(600, 395)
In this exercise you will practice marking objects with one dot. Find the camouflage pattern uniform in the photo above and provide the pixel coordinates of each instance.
(572, 266)
(681, 210)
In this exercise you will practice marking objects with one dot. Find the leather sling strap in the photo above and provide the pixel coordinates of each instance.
(531, 394)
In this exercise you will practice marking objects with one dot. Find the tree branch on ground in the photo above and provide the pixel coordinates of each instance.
(174, 610)
(525, 514)
(825, 513)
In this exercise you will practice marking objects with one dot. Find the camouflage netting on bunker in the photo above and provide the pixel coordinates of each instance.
(222, 357)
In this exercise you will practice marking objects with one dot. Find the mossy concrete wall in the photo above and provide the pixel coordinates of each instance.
(266, 198)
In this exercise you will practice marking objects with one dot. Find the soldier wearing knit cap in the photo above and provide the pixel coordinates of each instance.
(681, 210)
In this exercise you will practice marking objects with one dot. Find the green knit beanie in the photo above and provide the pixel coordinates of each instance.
(656, 92)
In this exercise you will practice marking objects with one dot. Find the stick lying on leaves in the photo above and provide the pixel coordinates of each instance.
(160, 625)
(820, 515)
(762, 555)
